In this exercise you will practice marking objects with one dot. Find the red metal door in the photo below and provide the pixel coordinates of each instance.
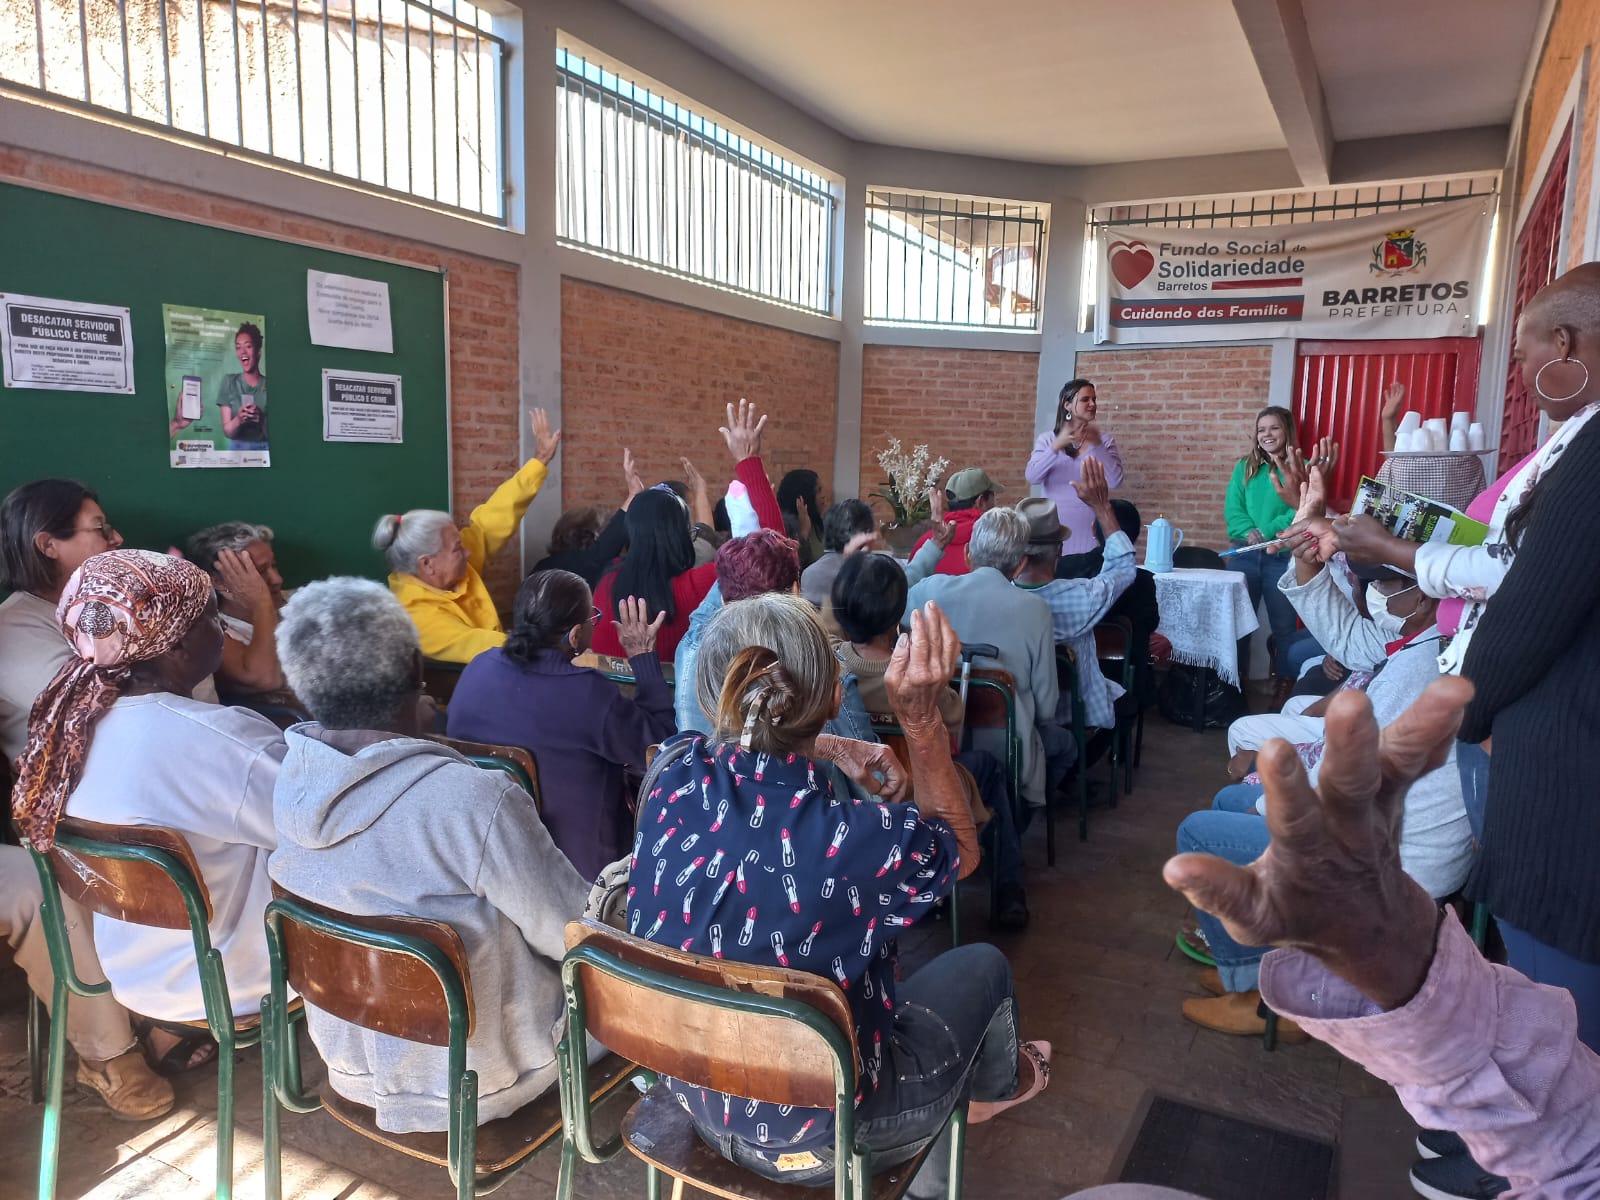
(1338, 393)
(1538, 248)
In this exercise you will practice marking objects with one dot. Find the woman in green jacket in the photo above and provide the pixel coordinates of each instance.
(1255, 513)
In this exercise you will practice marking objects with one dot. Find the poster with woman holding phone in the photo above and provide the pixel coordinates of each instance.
(216, 388)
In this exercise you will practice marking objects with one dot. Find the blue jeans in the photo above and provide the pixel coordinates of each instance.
(954, 1040)
(1240, 838)
(1261, 572)
(1472, 762)
(1545, 964)
(999, 837)
(1238, 798)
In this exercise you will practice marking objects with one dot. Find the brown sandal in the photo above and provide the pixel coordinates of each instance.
(1037, 1053)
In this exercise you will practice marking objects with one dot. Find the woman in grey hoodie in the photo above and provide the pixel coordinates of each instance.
(375, 820)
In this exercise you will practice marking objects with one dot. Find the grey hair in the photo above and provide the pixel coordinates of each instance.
(789, 627)
(999, 540)
(406, 537)
(349, 652)
(204, 548)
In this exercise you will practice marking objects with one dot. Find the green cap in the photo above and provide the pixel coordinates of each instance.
(971, 483)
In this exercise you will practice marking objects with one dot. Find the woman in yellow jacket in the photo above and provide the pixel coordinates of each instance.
(435, 568)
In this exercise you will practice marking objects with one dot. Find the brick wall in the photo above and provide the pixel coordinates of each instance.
(1575, 26)
(657, 377)
(483, 316)
(1182, 417)
(974, 407)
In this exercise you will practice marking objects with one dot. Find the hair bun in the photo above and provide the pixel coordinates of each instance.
(386, 530)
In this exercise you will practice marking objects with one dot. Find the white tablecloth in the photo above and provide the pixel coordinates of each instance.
(1204, 613)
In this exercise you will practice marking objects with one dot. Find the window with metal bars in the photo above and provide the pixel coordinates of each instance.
(954, 261)
(641, 178)
(403, 97)
(1267, 208)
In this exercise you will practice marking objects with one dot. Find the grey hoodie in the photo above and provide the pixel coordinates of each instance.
(406, 827)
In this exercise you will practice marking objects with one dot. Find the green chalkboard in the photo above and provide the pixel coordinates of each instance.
(321, 498)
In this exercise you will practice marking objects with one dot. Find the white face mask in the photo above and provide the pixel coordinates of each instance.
(1389, 625)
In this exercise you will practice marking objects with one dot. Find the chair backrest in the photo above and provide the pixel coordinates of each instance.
(1067, 680)
(282, 707)
(402, 976)
(765, 1033)
(1198, 556)
(991, 699)
(515, 761)
(142, 874)
(440, 679)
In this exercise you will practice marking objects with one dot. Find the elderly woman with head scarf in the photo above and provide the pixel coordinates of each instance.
(375, 820)
(764, 858)
(436, 568)
(116, 738)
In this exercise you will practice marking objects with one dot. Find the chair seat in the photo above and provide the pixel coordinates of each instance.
(502, 1143)
(658, 1131)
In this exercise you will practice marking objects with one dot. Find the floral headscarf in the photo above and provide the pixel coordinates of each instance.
(119, 608)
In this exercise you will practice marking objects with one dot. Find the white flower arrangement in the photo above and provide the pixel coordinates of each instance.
(910, 477)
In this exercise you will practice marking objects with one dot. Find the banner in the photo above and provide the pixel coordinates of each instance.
(65, 345)
(1416, 273)
(217, 412)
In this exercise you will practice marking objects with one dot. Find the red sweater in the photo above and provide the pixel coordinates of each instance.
(954, 561)
(690, 588)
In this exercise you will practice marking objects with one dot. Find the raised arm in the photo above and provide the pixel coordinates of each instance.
(254, 666)
(742, 433)
(494, 522)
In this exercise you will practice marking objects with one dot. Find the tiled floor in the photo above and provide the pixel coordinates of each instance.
(1097, 974)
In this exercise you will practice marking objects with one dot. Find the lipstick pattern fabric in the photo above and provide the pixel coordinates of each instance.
(758, 858)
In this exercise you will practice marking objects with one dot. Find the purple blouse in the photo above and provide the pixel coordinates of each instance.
(1055, 471)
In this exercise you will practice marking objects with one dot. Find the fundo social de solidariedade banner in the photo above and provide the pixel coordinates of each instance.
(1416, 273)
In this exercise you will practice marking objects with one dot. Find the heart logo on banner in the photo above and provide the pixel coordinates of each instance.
(1130, 262)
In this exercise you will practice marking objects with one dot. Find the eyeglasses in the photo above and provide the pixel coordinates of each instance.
(105, 529)
(596, 616)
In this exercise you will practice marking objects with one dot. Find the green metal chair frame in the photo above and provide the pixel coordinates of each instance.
(1067, 672)
(213, 990)
(1014, 756)
(1122, 735)
(853, 1165)
(281, 1069)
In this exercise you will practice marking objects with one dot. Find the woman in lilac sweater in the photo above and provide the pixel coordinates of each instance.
(1057, 462)
(584, 734)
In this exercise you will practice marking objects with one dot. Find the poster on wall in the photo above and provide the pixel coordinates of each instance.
(1417, 273)
(65, 345)
(216, 387)
(348, 312)
(358, 406)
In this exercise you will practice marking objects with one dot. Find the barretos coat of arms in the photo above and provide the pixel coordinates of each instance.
(1401, 252)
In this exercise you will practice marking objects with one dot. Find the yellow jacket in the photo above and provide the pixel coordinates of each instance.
(459, 624)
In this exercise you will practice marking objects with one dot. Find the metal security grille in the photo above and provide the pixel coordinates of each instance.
(954, 260)
(641, 178)
(1275, 208)
(398, 96)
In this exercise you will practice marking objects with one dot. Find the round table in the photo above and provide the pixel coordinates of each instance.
(1204, 614)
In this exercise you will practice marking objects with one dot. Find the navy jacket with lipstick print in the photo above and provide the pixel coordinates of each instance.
(760, 859)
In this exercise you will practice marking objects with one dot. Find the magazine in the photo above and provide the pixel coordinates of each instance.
(1416, 518)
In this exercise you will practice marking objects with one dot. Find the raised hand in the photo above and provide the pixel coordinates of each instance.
(241, 582)
(936, 502)
(635, 630)
(862, 542)
(546, 443)
(1394, 398)
(1363, 538)
(630, 476)
(1091, 487)
(1331, 883)
(920, 669)
(743, 431)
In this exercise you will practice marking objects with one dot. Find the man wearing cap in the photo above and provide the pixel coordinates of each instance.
(1077, 605)
(967, 496)
(983, 607)
(1399, 639)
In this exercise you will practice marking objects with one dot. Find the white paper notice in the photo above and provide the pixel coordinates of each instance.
(65, 346)
(358, 406)
(349, 312)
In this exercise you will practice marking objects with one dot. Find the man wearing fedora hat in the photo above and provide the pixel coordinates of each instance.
(1077, 605)
(968, 495)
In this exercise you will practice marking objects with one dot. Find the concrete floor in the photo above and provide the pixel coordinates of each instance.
(1097, 974)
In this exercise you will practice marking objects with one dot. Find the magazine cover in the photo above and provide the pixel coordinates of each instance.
(1416, 518)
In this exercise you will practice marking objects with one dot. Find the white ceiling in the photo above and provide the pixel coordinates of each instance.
(1419, 65)
(1053, 81)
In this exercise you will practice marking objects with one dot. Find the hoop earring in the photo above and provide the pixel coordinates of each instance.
(1560, 399)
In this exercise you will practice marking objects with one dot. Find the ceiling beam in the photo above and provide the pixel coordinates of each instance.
(1276, 31)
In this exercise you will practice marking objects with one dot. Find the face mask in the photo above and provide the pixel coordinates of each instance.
(1388, 624)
